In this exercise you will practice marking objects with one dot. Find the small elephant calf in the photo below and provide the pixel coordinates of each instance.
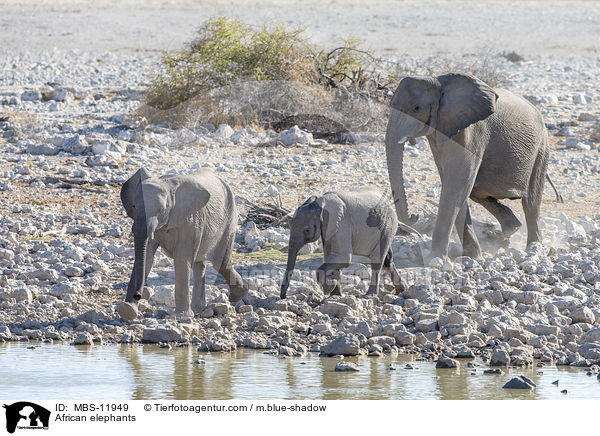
(193, 218)
(362, 223)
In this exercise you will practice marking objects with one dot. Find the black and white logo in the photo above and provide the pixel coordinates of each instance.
(26, 415)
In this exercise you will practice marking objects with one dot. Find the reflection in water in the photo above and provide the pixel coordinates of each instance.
(452, 384)
(57, 372)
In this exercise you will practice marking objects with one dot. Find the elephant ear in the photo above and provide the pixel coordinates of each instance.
(189, 197)
(333, 211)
(129, 189)
(309, 200)
(464, 100)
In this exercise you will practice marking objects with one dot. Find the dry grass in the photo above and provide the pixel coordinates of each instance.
(265, 103)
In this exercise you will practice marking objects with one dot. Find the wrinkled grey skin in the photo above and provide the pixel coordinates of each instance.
(193, 218)
(488, 144)
(362, 223)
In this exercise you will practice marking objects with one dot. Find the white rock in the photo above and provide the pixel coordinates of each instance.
(75, 144)
(565, 131)
(583, 314)
(436, 262)
(166, 333)
(76, 253)
(164, 295)
(586, 116)
(61, 94)
(5, 333)
(447, 362)
(31, 96)
(100, 147)
(42, 149)
(224, 131)
(84, 339)
(185, 138)
(44, 274)
(239, 136)
(336, 309)
(73, 271)
(347, 345)
(573, 229)
(573, 143)
(581, 99)
(346, 367)
(500, 357)
(22, 294)
(404, 338)
(295, 136)
(452, 317)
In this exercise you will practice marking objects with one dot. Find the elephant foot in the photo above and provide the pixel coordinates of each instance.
(128, 311)
(401, 287)
(198, 308)
(243, 302)
(473, 251)
(534, 248)
(337, 290)
(372, 291)
(184, 313)
(510, 227)
(435, 260)
(236, 293)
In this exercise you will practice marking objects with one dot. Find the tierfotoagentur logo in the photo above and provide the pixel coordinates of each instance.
(26, 415)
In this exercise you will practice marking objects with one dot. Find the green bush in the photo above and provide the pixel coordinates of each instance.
(226, 51)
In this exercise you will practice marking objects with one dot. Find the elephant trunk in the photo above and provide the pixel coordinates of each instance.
(140, 239)
(394, 150)
(291, 263)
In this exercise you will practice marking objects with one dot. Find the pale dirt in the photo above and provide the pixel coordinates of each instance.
(395, 28)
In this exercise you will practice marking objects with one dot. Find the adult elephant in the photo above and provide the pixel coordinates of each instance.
(488, 144)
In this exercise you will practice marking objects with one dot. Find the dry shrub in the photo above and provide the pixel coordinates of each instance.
(265, 103)
(484, 66)
(225, 51)
(236, 74)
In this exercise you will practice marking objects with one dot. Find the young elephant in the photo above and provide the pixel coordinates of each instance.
(361, 223)
(193, 218)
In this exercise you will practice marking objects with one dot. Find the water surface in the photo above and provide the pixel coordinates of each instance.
(141, 372)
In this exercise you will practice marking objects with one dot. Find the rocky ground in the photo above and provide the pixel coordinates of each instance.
(68, 140)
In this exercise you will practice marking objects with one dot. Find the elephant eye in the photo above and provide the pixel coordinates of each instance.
(416, 109)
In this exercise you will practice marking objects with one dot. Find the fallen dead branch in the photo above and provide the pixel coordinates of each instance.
(267, 215)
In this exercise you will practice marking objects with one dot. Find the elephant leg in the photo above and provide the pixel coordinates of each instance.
(532, 201)
(237, 289)
(397, 279)
(329, 277)
(531, 207)
(375, 276)
(182, 285)
(459, 171)
(377, 256)
(466, 233)
(505, 216)
(199, 290)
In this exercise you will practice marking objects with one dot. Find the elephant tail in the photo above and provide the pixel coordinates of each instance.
(559, 198)
(409, 229)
